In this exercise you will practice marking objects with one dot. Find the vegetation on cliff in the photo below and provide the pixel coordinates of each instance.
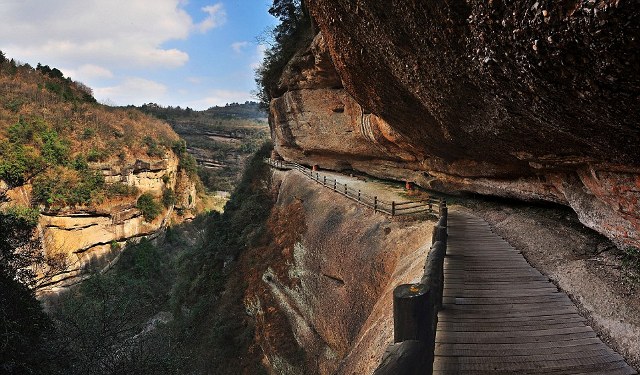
(51, 129)
(221, 139)
(172, 307)
(293, 33)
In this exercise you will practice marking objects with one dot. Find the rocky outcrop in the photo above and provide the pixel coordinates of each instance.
(84, 234)
(321, 291)
(534, 100)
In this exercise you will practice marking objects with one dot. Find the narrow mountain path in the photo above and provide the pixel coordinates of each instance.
(385, 191)
(502, 316)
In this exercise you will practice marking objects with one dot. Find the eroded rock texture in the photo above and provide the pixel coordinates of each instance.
(321, 290)
(535, 100)
(83, 234)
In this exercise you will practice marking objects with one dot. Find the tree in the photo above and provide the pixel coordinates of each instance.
(18, 249)
(290, 35)
(28, 344)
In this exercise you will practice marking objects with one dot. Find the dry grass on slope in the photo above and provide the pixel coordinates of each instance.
(32, 96)
(51, 129)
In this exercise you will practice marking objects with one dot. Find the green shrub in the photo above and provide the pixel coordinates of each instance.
(25, 215)
(55, 150)
(149, 207)
(62, 186)
(153, 149)
(14, 105)
(96, 155)
(88, 133)
(179, 147)
(114, 246)
(18, 163)
(188, 164)
(24, 132)
(168, 198)
(80, 163)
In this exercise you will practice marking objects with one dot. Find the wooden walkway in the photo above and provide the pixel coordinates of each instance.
(502, 316)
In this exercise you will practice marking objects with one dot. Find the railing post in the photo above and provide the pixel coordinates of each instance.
(317, 177)
(411, 313)
(393, 208)
(345, 189)
(375, 204)
(358, 195)
(324, 181)
(335, 184)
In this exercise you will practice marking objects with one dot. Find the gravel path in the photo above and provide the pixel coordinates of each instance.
(385, 191)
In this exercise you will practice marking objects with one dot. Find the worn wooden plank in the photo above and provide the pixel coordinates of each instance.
(611, 368)
(491, 366)
(501, 316)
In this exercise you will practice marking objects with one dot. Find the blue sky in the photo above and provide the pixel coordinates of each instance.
(191, 53)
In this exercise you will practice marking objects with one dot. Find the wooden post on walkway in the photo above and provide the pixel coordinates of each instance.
(335, 184)
(375, 204)
(345, 189)
(411, 313)
(393, 208)
(324, 181)
(358, 195)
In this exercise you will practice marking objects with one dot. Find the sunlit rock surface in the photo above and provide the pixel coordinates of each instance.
(528, 100)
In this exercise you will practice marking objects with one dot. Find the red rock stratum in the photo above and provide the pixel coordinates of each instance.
(534, 100)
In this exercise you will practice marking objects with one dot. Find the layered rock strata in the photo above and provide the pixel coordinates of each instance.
(84, 234)
(528, 100)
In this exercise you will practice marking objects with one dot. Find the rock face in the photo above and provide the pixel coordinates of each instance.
(529, 100)
(84, 234)
(321, 291)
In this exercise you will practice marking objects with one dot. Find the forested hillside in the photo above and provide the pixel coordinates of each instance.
(220, 138)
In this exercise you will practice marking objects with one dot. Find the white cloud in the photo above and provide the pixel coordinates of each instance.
(132, 90)
(216, 16)
(88, 71)
(259, 56)
(237, 47)
(112, 34)
(220, 98)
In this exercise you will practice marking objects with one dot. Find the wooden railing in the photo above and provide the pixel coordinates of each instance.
(415, 306)
(392, 208)
(415, 312)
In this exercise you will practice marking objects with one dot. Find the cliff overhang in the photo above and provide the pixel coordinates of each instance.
(528, 100)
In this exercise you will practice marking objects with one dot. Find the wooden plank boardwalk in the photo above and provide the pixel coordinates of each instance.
(502, 316)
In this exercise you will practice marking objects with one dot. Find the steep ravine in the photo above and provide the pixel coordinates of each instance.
(534, 100)
(84, 234)
(320, 292)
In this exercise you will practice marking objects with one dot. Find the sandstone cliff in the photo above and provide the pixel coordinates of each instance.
(320, 292)
(534, 100)
(83, 166)
(84, 234)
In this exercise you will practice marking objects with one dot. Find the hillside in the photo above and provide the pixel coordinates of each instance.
(98, 176)
(221, 139)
